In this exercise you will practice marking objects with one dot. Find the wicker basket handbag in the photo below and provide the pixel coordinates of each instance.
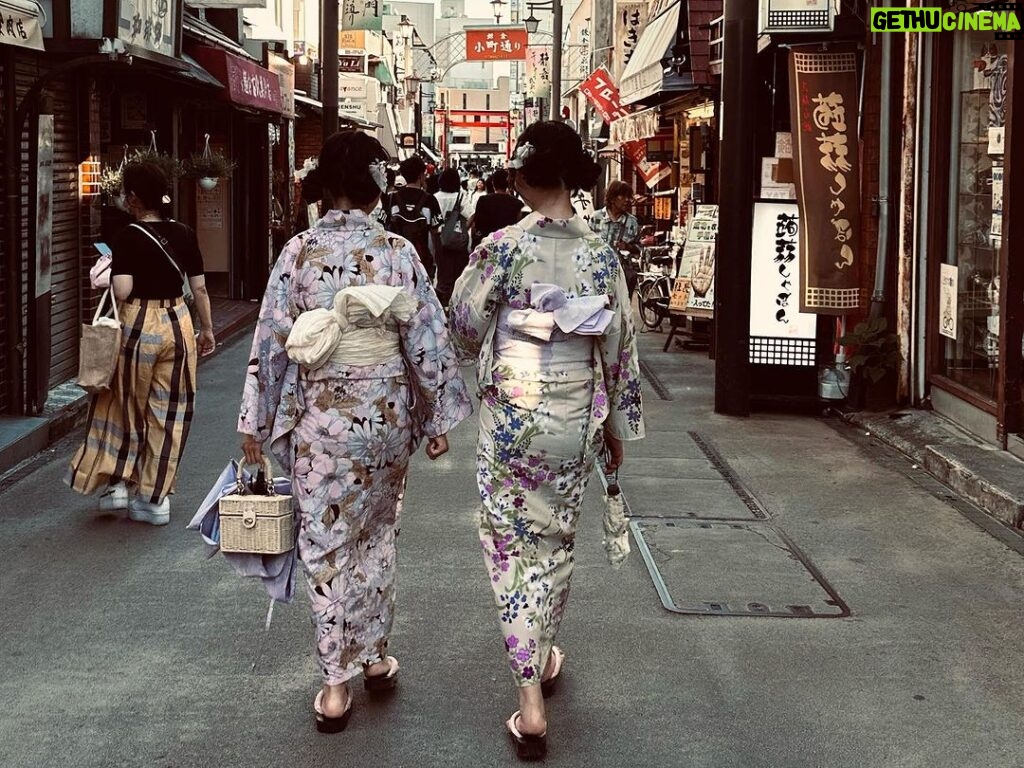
(256, 524)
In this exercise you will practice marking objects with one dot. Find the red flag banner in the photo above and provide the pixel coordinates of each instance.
(824, 98)
(496, 43)
(603, 93)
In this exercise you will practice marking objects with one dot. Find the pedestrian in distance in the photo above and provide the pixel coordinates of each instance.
(413, 212)
(495, 211)
(351, 368)
(138, 427)
(543, 308)
(456, 211)
(620, 228)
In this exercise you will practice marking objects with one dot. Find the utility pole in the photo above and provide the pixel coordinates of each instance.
(556, 61)
(736, 211)
(329, 66)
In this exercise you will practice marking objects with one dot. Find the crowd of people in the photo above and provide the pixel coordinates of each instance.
(355, 363)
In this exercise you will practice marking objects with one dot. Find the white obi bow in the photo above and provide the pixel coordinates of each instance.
(584, 315)
(317, 333)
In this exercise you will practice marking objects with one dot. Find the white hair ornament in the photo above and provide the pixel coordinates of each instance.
(379, 172)
(521, 155)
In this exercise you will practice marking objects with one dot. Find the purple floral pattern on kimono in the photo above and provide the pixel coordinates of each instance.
(541, 428)
(346, 432)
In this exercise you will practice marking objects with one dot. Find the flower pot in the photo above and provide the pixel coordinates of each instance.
(208, 183)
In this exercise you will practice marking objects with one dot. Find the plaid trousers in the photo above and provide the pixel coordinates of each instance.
(138, 428)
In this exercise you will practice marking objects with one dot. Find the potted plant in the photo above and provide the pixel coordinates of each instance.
(209, 166)
(876, 355)
(110, 184)
(171, 167)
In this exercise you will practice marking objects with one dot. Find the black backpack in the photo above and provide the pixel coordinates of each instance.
(408, 220)
(454, 233)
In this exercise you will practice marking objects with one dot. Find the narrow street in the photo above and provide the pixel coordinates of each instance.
(122, 646)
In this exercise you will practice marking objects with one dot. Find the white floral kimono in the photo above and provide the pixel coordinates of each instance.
(545, 407)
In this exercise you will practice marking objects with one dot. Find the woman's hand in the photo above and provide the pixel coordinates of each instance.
(615, 454)
(253, 450)
(206, 343)
(437, 447)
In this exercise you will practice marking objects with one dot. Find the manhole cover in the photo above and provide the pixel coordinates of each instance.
(732, 568)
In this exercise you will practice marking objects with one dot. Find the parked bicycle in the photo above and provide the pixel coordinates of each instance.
(654, 286)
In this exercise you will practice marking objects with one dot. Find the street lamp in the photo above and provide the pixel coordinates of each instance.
(532, 23)
(497, 5)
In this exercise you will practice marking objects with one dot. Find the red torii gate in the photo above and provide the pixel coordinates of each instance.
(466, 118)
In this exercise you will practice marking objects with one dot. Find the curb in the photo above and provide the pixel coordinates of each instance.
(980, 473)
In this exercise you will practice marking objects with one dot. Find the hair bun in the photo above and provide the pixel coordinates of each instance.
(312, 186)
(583, 173)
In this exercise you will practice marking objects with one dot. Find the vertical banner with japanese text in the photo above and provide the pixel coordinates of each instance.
(823, 100)
(603, 93)
(630, 18)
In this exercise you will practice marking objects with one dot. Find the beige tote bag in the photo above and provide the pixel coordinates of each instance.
(99, 348)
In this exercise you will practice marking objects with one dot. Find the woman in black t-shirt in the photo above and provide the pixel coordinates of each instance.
(138, 428)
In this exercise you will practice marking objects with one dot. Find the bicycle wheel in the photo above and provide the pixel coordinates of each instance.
(649, 293)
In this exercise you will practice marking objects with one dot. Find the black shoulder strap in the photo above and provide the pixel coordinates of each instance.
(165, 245)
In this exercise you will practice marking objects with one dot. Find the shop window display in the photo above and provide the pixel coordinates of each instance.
(975, 223)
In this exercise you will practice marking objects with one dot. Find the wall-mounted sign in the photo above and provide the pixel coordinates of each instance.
(285, 72)
(949, 278)
(149, 24)
(638, 126)
(796, 16)
(630, 18)
(407, 140)
(352, 38)
(779, 333)
(245, 82)
(496, 43)
(19, 24)
(352, 62)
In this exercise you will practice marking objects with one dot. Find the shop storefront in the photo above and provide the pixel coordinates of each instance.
(234, 220)
(973, 351)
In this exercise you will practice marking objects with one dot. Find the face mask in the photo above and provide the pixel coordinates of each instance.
(122, 202)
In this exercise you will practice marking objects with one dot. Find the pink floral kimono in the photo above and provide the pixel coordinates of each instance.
(346, 432)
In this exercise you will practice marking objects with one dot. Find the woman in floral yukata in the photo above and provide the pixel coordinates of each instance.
(543, 307)
(351, 367)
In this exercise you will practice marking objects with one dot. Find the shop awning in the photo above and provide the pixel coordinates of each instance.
(197, 74)
(636, 126)
(21, 24)
(387, 134)
(645, 75)
(245, 83)
(382, 73)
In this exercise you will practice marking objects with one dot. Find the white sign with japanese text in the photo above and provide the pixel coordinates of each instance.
(949, 279)
(149, 24)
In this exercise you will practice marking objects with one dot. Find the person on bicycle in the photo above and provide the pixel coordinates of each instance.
(619, 228)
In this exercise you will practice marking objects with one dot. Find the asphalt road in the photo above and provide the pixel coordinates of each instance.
(120, 645)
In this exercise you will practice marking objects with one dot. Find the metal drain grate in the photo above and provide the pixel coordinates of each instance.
(652, 378)
(729, 568)
(729, 475)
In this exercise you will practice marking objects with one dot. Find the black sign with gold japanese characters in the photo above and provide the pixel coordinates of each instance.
(824, 88)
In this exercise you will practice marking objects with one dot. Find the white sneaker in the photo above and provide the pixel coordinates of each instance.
(148, 512)
(115, 497)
